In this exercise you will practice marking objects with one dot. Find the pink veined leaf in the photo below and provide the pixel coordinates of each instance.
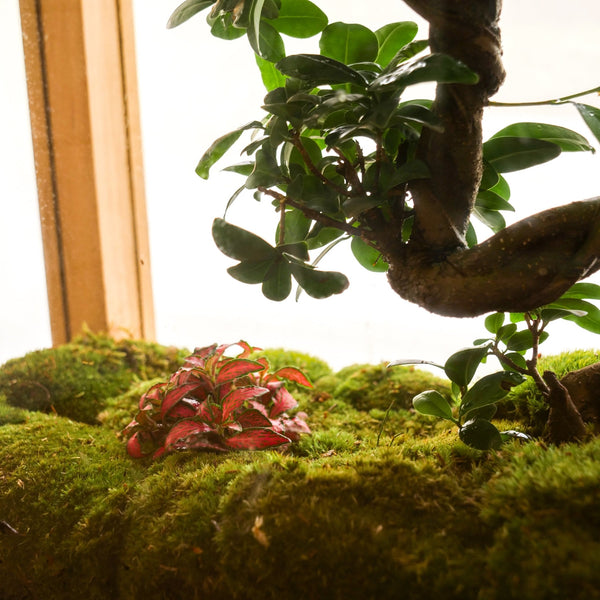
(256, 439)
(236, 368)
(247, 349)
(293, 374)
(159, 453)
(236, 398)
(185, 408)
(260, 407)
(293, 427)
(282, 401)
(253, 418)
(135, 446)
(153, 396)
(183, 430)
(210, 413)
(173, 396)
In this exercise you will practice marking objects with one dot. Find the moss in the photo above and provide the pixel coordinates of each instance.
(526, 403)
(376, 386)
(313, 367)
(75, 380)
(335, 516)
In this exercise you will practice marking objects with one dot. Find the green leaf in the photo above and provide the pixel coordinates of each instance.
(251, 271)
(491, 201)
(591, 116)
(367, 256)
(266, 171)
(254, 23)
(392, 38)
(494, 321)
(349, 43)
(566, 139)
(240, 244)
(413, 169)
(186, 10)
(297, 226)
(435, 67)
(220, 146)
(278, 284)
(582, 291)
(319, 284)
(590, 320)
(480, 434)
(462, 365)
(319, 70)
(415, 113)
(506, 332)
(299, 19)
(489, 178)
(433, 403)
(311, 192)
(223, 28)
(269, 44)
(507, 154)
(406, 53)
(271, 77)
(516, 358)
(492, 218)
(523, 340)
(501, 188)
(489, 389)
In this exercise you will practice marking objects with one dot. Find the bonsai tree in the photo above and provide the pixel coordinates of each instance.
(342, 157)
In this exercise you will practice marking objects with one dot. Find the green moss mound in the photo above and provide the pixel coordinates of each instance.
(375, 386)
(357, 510)
(76, 379)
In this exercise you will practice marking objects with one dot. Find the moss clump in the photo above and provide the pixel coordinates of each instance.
(375, 386)
(75, 380)
(526, 403)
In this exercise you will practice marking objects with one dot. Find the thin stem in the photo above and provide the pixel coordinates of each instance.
(563, 100)
(282, 221)
(533, 326)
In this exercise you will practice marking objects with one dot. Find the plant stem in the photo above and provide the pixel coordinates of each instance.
(563, 100)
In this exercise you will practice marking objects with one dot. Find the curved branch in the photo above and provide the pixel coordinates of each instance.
(524, 266)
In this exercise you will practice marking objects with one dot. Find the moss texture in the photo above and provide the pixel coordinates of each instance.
(336, 516)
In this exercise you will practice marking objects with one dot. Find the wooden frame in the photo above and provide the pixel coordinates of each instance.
(81, 78)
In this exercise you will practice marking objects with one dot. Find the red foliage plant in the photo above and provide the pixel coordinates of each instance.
(218, 403)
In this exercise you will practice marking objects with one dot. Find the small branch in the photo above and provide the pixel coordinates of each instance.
(282, 222)
(563, 100)
(534, 327)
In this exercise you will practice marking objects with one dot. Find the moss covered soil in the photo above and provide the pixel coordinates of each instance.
(338, 515)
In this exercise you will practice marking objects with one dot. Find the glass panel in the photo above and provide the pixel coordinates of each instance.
(24, 317)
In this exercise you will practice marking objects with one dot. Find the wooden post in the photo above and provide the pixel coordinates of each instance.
(81, 79)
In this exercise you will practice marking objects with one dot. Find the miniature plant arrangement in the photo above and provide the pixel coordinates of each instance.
(218, 403)
(476, 405)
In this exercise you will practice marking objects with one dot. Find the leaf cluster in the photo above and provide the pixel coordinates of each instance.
(217, 403)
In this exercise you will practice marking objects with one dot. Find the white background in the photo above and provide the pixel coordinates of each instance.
(194, 88)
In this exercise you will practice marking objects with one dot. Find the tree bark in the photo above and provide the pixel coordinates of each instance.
(564, 421)
(520, 268)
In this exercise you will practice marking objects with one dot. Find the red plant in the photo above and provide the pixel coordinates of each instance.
(215, 402)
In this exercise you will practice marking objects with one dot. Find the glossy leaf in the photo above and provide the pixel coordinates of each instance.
(319, 70)
(349, 43)
(507, 154)
(406, 53)
(462, 365)
(501, 188)
(489, 178)
(269, 44)
(220, 146)
(367, 256)
(480, 434)
(523, 340)
(299, 19)
(392, 38)
(591, 116)
(489, 389)
(582, 291)
(257, 439)
(492, 201)
(240, 244)
(589, 321)
(433, 403)
(266, 171)
(566, 139)
(186, 10)
(435, 67)
(319, 284)
(492, 218)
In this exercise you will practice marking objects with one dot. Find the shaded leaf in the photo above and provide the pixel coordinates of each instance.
(220, 146)
(278, 285)
(257, 439)
(269, 44)
(462, 365)
(236, 398)
(240, 244)
(523, 340)
(493, 322)
(186, 10)
(253, 418)
(507, 154)
(480, 434)
(319, 70)
(251, 271)
(282, 401)
(591, 116)
(319, 284)
(489, 389)
(266, 171)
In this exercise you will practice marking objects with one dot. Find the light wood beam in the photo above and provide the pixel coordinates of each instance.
(81, 78)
